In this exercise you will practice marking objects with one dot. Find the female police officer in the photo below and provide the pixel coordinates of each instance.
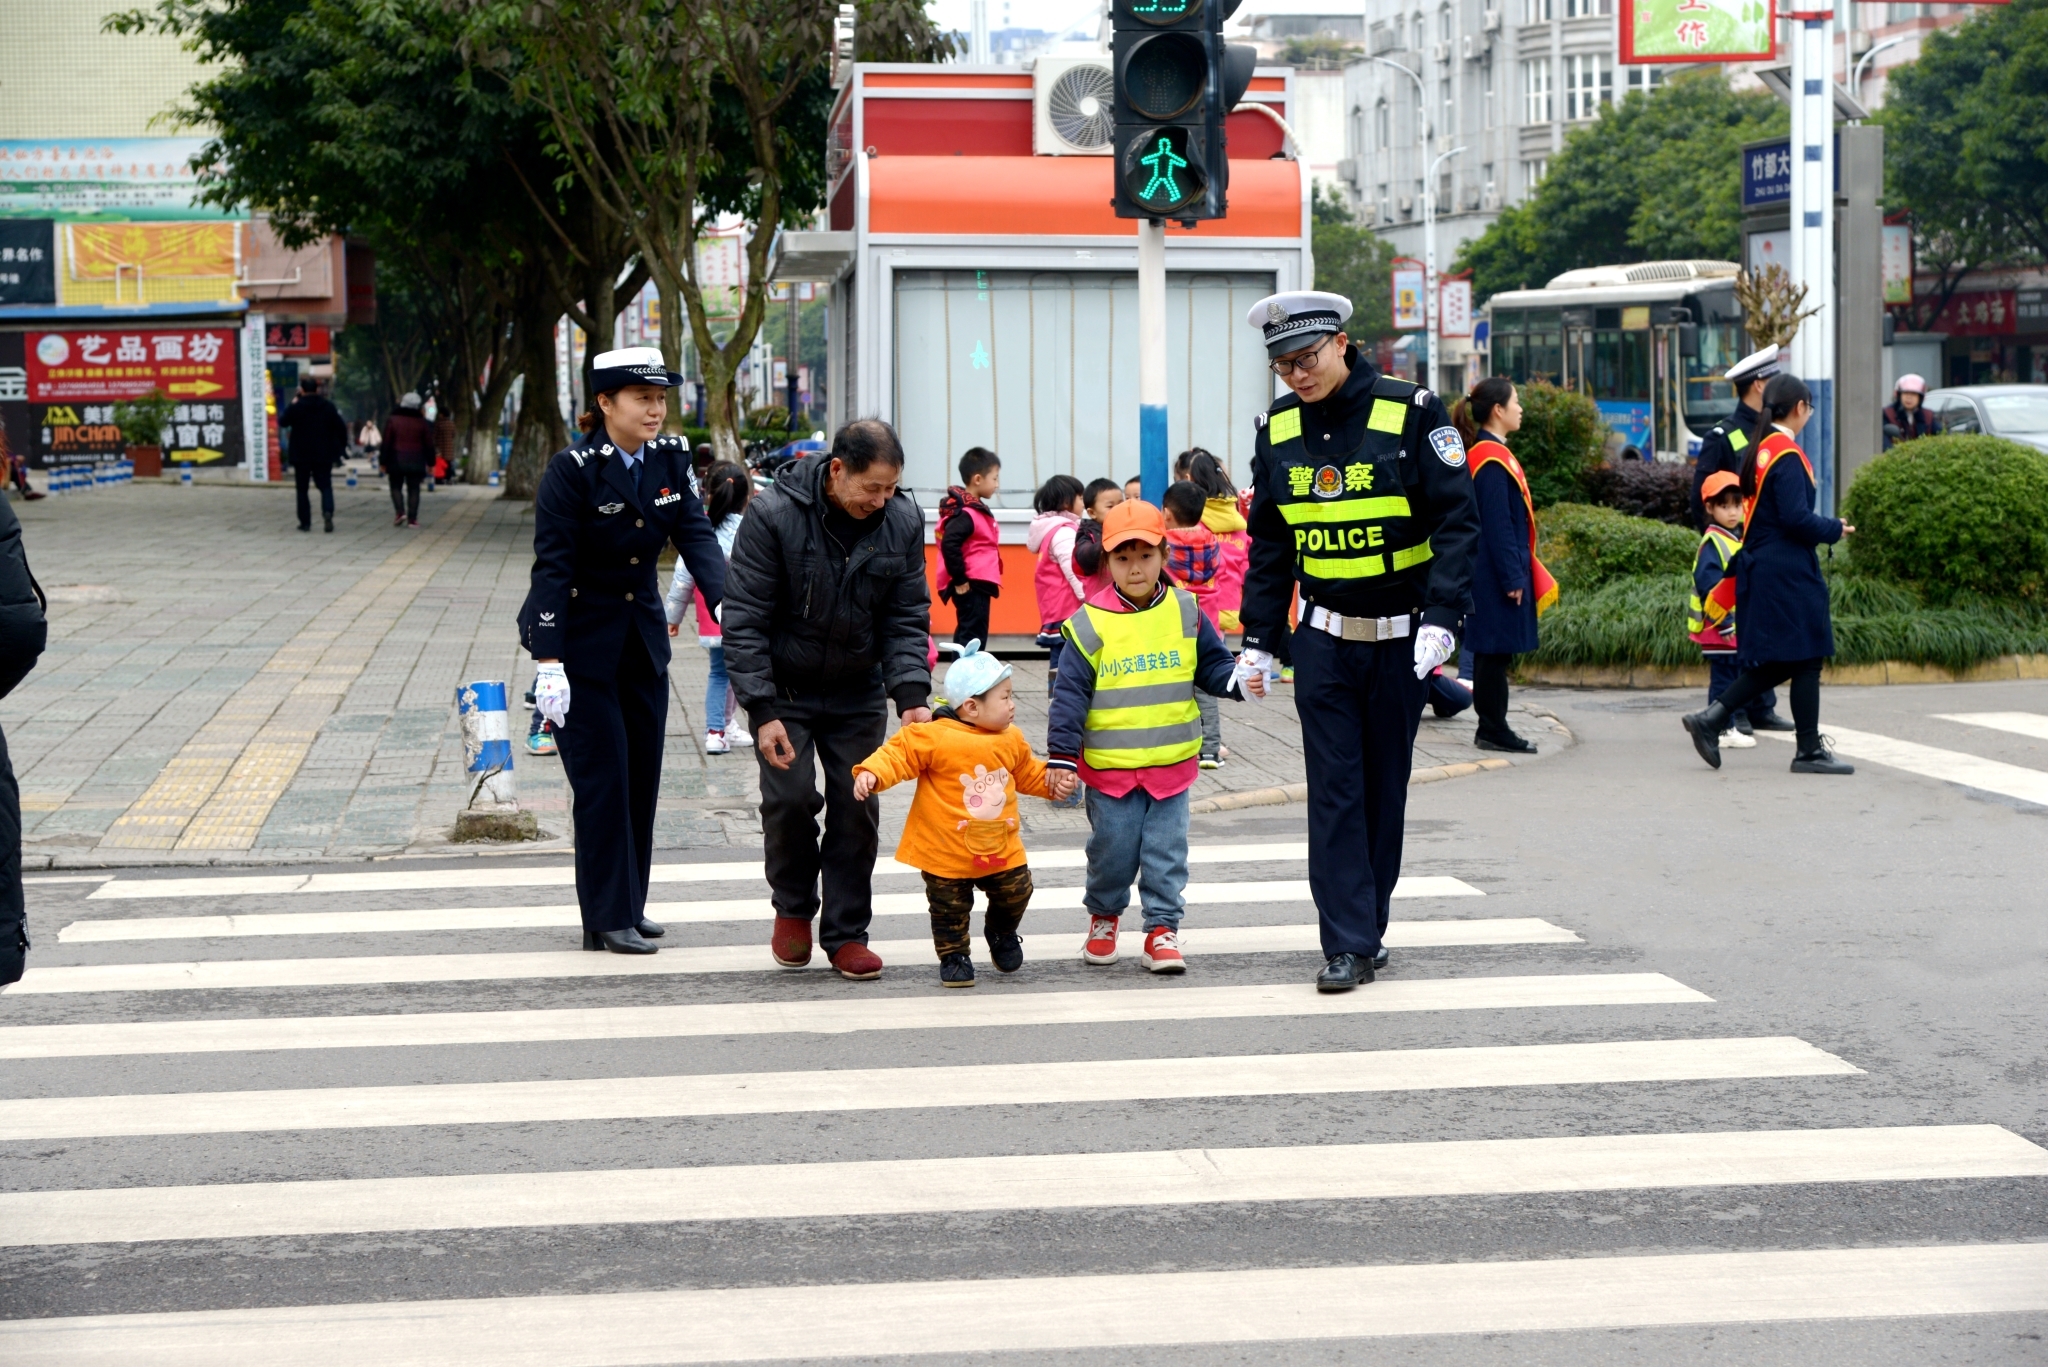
(1360, 497)
(593, 623)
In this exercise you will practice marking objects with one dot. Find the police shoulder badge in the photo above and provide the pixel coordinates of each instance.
(1450, 449)
(1329, 482)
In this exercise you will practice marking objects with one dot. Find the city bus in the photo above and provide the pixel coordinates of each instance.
(1650, 343)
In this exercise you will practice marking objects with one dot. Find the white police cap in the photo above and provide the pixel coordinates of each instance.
(611, 370)
(1292, 320)
(1758, 365)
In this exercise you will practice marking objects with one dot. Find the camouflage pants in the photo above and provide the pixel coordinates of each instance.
(952, 903)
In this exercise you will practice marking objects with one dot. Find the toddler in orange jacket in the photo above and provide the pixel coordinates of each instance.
(970, 762)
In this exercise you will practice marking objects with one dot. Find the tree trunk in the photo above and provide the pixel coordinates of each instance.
(539, 431)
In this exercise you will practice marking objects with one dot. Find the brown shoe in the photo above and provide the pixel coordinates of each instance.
(857, 961)
(791, 942)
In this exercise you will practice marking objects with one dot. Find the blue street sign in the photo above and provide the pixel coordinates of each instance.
(1767, 173)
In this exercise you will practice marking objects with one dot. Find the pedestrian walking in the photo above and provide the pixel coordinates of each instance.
(409, 438)
(1126, 722)
(969, 761)
(593, 623)
(828, 618)
(729, 488)
(1710, 619)
(1058, 513)
(319, 442)
(1361, 499)
(1510, 587)
(1907, 417)
(1781, 600)
(1721, 452)
(24, 630)
(371, 442)
(1194, 561)
(970, 545)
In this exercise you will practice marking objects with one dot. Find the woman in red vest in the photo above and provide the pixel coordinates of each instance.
(1509, 584)
(1781, 598)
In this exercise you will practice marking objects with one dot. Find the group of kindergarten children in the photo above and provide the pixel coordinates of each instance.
(1133, 601)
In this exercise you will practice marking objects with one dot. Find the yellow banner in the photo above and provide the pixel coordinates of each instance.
(160, 249)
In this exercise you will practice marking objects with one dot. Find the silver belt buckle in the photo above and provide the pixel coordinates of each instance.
(1360, 629)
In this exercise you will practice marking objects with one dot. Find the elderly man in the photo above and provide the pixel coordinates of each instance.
(827, 617)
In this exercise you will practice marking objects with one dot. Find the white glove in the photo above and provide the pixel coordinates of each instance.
(1433, 645)
(551, 693)
(1251, 664)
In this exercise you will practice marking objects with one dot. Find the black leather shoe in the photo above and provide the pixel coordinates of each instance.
(1771, 721)
(1705, 728)
(1344, 972)
(652, 930)
(1379, 960)
(1820, 760)
(617, 941)
(329, 524)
(1006, 952)
(1504, 740)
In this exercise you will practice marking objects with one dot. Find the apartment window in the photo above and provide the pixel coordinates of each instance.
(1443, 90)
(1586, 9)
(1486, 87)
(1588, 84)
(1643, 78)
(1535, 11)
(1421, 33)
(1532, 173)
(1443, 23)
(1486, 180)
(1536, 104)
(1383, 125)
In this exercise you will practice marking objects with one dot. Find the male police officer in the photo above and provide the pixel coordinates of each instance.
(1360, 496)
(594, 624)
(1723, 448)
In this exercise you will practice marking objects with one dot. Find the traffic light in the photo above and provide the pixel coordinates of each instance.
(1176, 81)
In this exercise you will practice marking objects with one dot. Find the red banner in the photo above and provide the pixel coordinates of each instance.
(1982, 313)
(115, 363)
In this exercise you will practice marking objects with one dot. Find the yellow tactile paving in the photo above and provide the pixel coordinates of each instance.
(216, 793)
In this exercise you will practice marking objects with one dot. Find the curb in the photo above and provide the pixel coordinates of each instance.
(1298, 792)
(1857, 676)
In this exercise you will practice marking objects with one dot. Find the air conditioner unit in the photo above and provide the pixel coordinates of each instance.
(1490, 201)
(1070, 107)
(1369, 214)
(1492, 21)
(1407, 204)
(1442, 52)
(1477, 45)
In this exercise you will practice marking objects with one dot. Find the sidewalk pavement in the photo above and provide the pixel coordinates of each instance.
(221, 688)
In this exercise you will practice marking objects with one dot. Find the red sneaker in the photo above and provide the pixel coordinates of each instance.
(791, 942)
(1162, 951)
(857, 961)
(1101, 946)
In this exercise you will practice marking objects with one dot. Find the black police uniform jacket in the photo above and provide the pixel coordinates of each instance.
(1723, 448)
(1364, 500)
(597, 532)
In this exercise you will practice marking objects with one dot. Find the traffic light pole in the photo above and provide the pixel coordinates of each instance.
(1152, 466)
(1813, 231)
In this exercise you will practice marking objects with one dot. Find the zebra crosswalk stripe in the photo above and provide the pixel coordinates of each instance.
(783, 1191)
(877, 1089)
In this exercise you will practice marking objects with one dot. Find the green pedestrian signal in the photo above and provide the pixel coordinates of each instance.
(1174, 82)
(1163, 163)
(1161, 172)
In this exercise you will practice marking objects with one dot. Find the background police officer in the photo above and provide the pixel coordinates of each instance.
(1723, 448)
(593, 622)
(1360, 496)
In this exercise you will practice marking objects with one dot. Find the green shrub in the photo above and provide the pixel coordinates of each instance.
(1955, 515)
(1587, 547)
(142, 420)
(1562, 440)
(1636, 620)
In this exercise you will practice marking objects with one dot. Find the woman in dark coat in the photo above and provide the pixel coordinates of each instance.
(1781, 599)
(1502, 623)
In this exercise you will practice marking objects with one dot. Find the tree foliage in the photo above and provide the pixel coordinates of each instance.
(1355, 262)
(1964, 148)
(1955, 515)
(1655, 177)
(1562, 438)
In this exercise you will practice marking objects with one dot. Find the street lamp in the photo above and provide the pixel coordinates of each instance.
(1430, 321)
(1856, 77)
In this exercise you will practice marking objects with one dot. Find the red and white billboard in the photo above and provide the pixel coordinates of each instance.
(110, 364)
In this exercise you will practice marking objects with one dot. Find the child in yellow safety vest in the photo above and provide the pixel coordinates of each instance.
(1710, 617)
(1124, 718)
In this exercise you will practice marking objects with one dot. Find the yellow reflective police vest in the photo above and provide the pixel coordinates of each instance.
(1143, 714)
(1349, 516)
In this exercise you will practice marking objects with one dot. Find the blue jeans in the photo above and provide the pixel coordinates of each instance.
(1141, 839)
(714, 692)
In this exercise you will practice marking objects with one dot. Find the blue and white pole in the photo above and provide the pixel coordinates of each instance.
(1813, 231)
(1152, 463)
(487, 745)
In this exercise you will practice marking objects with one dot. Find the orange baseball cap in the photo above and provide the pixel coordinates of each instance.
(1133, 520)
(1716, 483)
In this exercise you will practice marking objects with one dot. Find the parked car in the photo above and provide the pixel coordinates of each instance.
(2018, 412)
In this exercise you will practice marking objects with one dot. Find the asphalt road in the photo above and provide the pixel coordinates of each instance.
(1691, 972)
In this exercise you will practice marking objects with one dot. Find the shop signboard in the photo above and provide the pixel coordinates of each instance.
(1407, 301)
(115, 179)
(28, 261)
(1665, 31)
(1454, 308)
(1979, 313)
(62, 410)
(1896, 254)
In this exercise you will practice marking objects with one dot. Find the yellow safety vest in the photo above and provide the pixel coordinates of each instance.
(1349, 516)
(1143, 714)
